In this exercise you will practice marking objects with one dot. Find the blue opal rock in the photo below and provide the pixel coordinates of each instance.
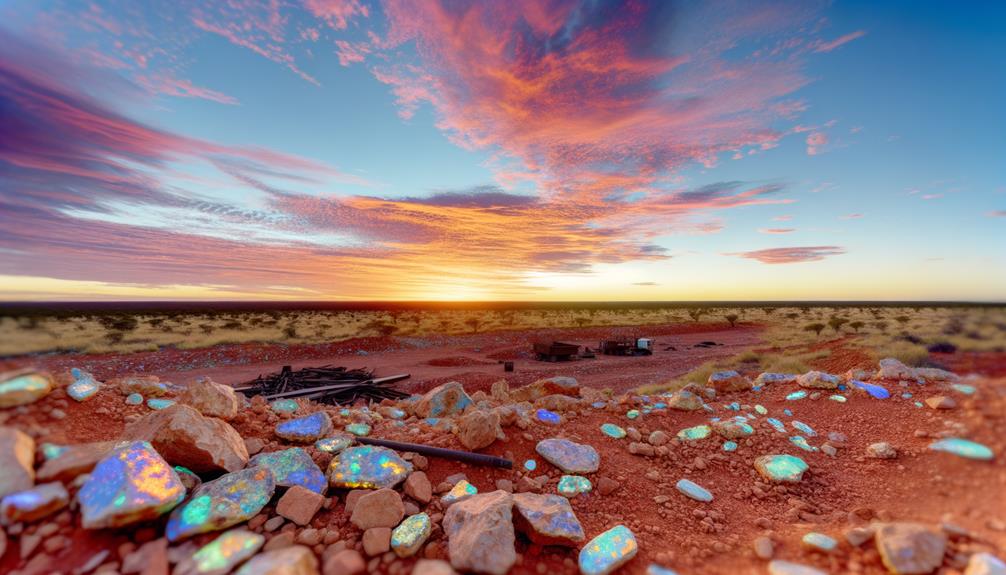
(612, 430)
(776, 424)
(84, 386)
(367, 467)
(34, 504)
(530, 465)
(598, 405)
(462, 490)
(442, 401)
(20, 388)
(546, 416)
(305, 429)
(654, 569)
(787, 413)
(733, 428)
(292, 467)
(799, 441)
(409, 536)
(158, 404)
(694, 491)
(695, 433)
(632, 413)
(395, 413)
(134, 399)
(358, 429)
(769, 378)
(838, 398)
(568, 456)
(781, 468)
(729, 446)
(228, 500)
(761, 409)
(333, 444)
(820, 542)
(223, 554)
(285, 405)
(52, 451)
(964, 388)
(547, 520)
(875, 391)
(608, 551)
(129, 485)
(796, 395)
(963, 448)
(573, 485)
(804, 428)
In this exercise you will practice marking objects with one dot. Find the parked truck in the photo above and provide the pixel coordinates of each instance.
(627, 346)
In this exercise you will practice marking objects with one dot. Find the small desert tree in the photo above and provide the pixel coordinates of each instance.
(696, 313)
(817, 328)
(732, 318)
(856, 325)
(881, 325)
(473, 322)
(836, 323)
(902, 319)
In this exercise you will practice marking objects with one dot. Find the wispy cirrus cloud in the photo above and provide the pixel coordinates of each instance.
(838, 42)
(854, 216)
(793, 255)
(776, 230)
(815, 142)
(996, 214)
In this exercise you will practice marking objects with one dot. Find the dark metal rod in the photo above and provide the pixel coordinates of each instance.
(455, 454)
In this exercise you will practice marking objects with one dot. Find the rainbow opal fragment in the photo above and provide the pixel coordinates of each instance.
(131, 484)
(694, 491)
(134, 399)
(781, 468)
(796, 395)
(608, 551)
(462, 490)
(223, 554)
(729, 446)
(733, 428)
(776, 424)
(654, 569)
(963, 388)
(819, 542)
(803, 428)
(761, 409)
(396, 413)
(632, 413)
(309, 428)
(284, 405)
(34, 504)
(547, 519)
(84, 385)
(19, 388)
(333, 444)
(573, 485)
(963, 448)
(292, 467)
(695, 433)
(367, 467)
(612, 430)
(158, 404)
(223, 502)
(52, 451)
(409, 536)
(358, 429)
(549, 417)
(530, 465)
(875, 391)
(569, 456)
(838, 398)
(801, 442)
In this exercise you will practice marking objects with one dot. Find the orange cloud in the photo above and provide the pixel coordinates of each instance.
(791, 255)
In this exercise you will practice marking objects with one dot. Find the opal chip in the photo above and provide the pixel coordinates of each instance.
(838, 398)
(409, 536)
(33, 504)
(804, 428)
(530, 465)
(546, 416)
(964, 448)
(776, 424)
(25, 388)
(358, 429)
(608, 551)
(781, 468)
(462, 490)
(963, 388)
(632, 413)
(612, 430)
(131, 484)
(695, 433)
(292, 467)
(761, 409)
(694, 491)
(875, 391)
(367, 467)
(801, 442)
(223, 554)
(333, 444)
(569, 456)
(285, 405)
(158, 404)
(729, 446)
(573, 485)
(52, 451)
(134, 399)
(223, 502)
(820, 542)
(309, 428)
(796, 395)
(84, 386)
(733, 428)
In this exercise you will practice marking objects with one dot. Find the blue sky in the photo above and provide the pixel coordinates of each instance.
(340, 149)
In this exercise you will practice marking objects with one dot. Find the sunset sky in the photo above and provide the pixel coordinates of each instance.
(515, 150)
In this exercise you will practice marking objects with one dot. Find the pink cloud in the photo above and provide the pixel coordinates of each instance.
(815, 142)
(178, 87)
(785, 218)
(840, 41)
(351, 52)
(855, 216)
(932, 196)
(776, 230)
(996, 214)
(337, 13)
(791, 255)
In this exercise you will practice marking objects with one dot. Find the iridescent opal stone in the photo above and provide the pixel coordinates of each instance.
(729, 446)
(819, 542)
(530, 465)
(733, 428)
(33, 504)
(695, 433)
(134, 399)
(547, 519)
(694, 491)
(612, 430)
(462, 490)
(963, 448)
(292, 467)
(285, 405)
(223, 502)
(333, 444)
(803, 428)
(131, 484)
(309, 428)
(781, 468)
(573, 485)
(409, 536)
(608, 551)
(776, 424)
(801, 442)
(358, 429)
(367, 467)
(223, 554)
(569, 456)
(875, 391)
(549, 417)
(796, 395)
(84, 385)
(158, 404)
(22, 388)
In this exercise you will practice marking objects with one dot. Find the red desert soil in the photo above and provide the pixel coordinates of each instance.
(690, 537)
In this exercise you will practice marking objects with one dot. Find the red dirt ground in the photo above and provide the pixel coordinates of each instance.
(690, 537)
